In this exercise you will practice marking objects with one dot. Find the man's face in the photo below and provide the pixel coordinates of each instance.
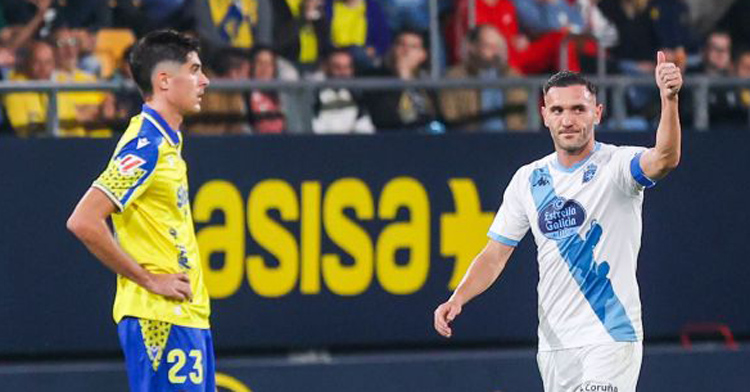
(718, 52)
(743, 66)
(490, 50)
(41, 62)
(264, 66)
(185, 84)
(340, 66)
(66, 48)
(570, 113)
(410, 48)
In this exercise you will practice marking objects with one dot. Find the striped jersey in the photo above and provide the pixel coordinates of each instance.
(586, 222)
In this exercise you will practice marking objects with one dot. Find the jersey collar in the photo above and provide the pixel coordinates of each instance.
(557, 165)
(155, 118)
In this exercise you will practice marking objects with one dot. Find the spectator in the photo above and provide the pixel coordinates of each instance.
(633, 20)
(300, 31)
(527, 55)
(90, 107)
(472, 109)
(266, 113)
(128, 103)
(736, 23)
(90, 15)
(239, 24)
(408, 14)
(23, 20)
(538, 17)
(361, 26)
(224, 113)
(731, 109)
(398, 110)
(717, 54)
(596, 24)
(143, 16)
(27, 111)
(340, 110)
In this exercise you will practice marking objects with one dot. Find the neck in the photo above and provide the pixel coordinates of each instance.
(166, 111)
(569, 158)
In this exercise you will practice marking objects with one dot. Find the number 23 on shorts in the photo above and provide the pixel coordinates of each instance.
(176, 358)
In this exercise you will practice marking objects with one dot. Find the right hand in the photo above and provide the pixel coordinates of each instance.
(172, 286)
(444, 315)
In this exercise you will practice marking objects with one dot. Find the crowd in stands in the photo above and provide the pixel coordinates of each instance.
(297, 40)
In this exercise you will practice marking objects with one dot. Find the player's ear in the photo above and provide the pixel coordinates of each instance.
(160, 79)
(599, 111)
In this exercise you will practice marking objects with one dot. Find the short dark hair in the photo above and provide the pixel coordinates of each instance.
(347, 50)
(569, 78)
(227, 59)
(412, 31)
(473, 35)
(156, 47)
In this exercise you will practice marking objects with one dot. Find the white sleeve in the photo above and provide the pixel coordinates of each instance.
(511, 222)
(627, 172)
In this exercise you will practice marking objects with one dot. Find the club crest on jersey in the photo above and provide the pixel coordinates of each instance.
(589, 173)
(561, 218)
(129, 163)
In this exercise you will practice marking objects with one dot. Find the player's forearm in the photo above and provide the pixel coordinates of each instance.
(100, 242)
(668, 135)
(482, 272)
(664, 157)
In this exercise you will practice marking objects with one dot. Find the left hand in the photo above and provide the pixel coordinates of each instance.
(668, 77)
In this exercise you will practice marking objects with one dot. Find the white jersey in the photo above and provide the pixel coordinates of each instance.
(586, 222)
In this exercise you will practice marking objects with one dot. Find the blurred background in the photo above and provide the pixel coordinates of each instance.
(344, 169)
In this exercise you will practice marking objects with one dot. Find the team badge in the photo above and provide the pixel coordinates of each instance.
(589, 173)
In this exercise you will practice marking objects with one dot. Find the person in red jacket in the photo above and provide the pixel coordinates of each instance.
(527, 55)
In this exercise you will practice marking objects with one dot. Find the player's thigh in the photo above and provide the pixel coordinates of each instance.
(561, 370)
(164, 357)
(189, 360)
(615, 366)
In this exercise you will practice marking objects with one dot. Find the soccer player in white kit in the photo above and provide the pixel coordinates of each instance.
(583, 205)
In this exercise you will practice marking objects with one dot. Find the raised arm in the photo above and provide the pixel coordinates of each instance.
(482, 272)
(664, 157)
(89, 223)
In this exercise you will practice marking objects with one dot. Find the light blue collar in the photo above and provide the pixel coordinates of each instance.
(557, 165)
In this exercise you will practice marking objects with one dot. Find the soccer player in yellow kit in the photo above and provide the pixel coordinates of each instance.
(162, 305)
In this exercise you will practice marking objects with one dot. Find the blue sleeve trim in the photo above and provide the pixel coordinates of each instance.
(149, 153)
(502, 240)
(638, 174)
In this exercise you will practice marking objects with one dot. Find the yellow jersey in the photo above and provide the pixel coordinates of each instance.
(27, 111)
(147, 180)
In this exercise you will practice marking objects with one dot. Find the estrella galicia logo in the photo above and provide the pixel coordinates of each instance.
(561, 218)
(596, 386)
(589, 173)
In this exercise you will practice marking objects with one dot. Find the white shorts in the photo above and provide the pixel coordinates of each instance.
(609, 367)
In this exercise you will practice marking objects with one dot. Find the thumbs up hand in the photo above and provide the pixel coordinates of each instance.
(668, 77)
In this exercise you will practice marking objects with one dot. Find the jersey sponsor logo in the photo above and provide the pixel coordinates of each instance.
(561, 218)
(589, 173)
(596, 386)
(542, 178)
(129, 163)
(182, 196)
